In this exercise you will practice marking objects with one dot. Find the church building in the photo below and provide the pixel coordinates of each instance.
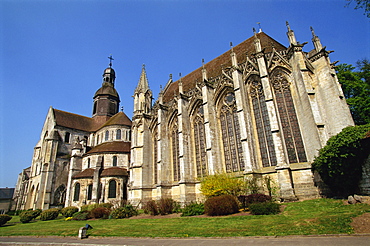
(259, 110)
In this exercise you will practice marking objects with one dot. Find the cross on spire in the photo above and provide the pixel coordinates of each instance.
(110, 60)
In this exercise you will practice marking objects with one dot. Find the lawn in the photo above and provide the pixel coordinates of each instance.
(320, 216)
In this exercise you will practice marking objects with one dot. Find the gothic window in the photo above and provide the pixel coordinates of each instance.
(118, 134)
(89, 191)
(175, 151)
(60, 195)
(230, 132)
(199, 143)
(67, 137)
(112, 189)
(114, 161)
(76, 195)
(106, 135)
(264, 135)
(288, 119)
(88, 162)
(155, 157)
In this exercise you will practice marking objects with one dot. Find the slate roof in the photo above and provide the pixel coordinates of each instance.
(116, 146)
(214, 67)
(6, 193)
(118, 119)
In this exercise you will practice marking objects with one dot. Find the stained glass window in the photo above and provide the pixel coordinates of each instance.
(288, 119)
(230, 131)
(266, 143)
(76, 195)
(199, 144)
(112, 189)
(155, 157)
(175, 151)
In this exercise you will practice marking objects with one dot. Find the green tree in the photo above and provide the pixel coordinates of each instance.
(361, 4)
(340, 162)
(356, 89)
(222, 184)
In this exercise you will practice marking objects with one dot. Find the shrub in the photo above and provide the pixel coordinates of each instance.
(166, 206)
(192, 209)
(340, 161)
(264, 208)
(28, 215)
(4, 218)
(49, 214)
(221, 205)
(82, 215)
(100, 213)
(126, 211)
(69, 211)
(84, 208)
(222, 184)
(253, 198)
(150, 207)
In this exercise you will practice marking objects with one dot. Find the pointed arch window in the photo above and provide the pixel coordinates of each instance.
(155, 157)
(199, 143)
(288, 119)
(112, 189)
(263, 127)
(175, 151)
(230, 132)
(76, 195)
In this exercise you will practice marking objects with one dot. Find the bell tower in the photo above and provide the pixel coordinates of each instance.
(106, 99)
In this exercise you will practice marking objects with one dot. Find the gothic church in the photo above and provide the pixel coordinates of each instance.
(259, 110)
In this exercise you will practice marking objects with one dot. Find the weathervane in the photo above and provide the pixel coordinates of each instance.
(110, 60)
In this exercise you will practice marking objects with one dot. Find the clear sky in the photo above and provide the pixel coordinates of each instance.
(53, 53)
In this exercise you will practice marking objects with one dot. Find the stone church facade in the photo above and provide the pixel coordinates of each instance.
(259, 110)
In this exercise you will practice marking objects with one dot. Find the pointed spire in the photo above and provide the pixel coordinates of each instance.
(180, 85)
(257, 42)
(316, 41)
(291, 35)
(234, 62)
(204, 72)
(143, 84)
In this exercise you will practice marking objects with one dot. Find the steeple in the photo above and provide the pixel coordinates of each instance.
(142, 95)
(143, 85)
(106, 99)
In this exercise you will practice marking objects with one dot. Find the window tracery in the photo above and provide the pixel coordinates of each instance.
(230, 131)
(175, 151)
(155, 157)
(199, 144)
(288, 119)
(263, 127)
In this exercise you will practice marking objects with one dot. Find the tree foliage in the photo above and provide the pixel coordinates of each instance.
(340, 162)
(356, 89)
(222, 184)
(362, 4)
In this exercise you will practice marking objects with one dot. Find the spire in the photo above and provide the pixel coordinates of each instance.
(316, 41)
(180, 84)
(204, 71)
(143, 84)
(291, 35)
(110, 60)
(234, 62)
(257, 42)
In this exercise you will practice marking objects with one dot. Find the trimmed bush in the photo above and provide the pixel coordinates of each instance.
(126, 211)
(192, 209)
(264, 208)
(49, 214)
(100, 213)
(221, 205)
(29, 215)
(150, 207)
(4, 218)
(82, 215)
(69, 211)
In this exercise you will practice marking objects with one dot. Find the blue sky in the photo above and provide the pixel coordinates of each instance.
(53, 53)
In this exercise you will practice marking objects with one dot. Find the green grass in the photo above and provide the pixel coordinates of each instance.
(320, 216)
